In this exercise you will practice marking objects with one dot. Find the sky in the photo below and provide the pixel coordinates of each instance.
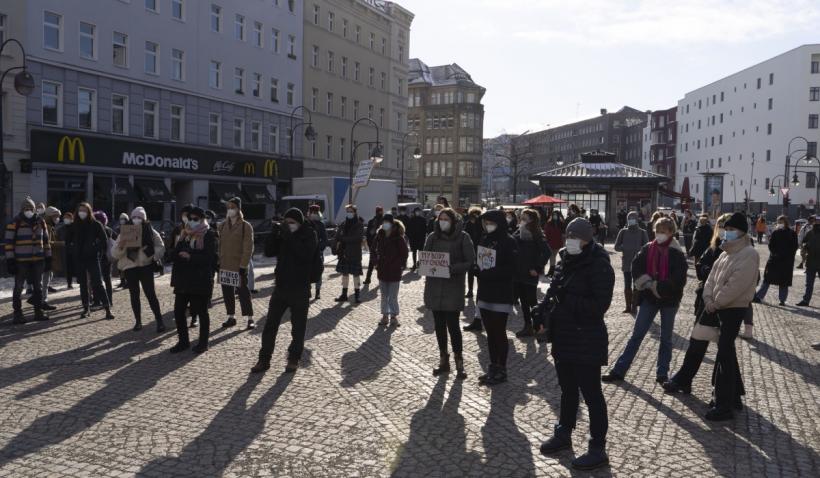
(551, 62)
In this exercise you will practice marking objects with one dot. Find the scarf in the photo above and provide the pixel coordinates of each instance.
(195, 235)
(658, 262)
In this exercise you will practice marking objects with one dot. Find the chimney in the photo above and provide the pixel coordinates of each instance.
(603, 111)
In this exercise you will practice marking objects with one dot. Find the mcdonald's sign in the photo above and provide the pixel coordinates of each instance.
(249, 168)
(271, 169)
(75, 149)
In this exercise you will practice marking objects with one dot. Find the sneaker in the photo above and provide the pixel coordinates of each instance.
(52, 290)
(661, 379)
(611, 377)
(384, 322)
(179, 348)
(161, 326)
(137, 327)
(474, 327)
(747, 333)
(229, 323)
(803, 303)
(782, 303)
(194, 322)
(394, 321)
(495, 378)
(251, 324)
(86, 312)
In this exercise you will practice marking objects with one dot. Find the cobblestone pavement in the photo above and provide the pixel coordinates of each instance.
(88, 397)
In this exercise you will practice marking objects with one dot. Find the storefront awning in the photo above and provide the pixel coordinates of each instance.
(123, 189)
(153, 190)
(257, 193)
(223, 191)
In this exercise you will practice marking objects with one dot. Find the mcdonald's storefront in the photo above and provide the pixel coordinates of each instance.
(117, 174)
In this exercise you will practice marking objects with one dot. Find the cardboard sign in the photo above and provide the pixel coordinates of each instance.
(485, 258)
(434, 264)
(229, 278)
(130, 236)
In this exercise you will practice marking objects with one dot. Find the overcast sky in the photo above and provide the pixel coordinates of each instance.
(550, 62)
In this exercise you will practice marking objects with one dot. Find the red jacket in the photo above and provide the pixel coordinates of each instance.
(391, 254)
(554, 236)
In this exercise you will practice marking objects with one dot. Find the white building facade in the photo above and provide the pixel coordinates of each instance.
(734, 136)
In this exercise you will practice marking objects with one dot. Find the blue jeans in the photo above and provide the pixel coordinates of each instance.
(782, 292)
(646, 315)
(390, 297)
(811, 274)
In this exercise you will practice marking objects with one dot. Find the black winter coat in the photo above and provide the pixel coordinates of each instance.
(89, 240)
(416, 232)
(533, 254)
(780, 266)
(670, 290)
(495, 285)
(584, 285)
(701, 240)
(194, 275)
(295, 258)
(321, 244)
(373, 226)
(475, 231)
(702, 268)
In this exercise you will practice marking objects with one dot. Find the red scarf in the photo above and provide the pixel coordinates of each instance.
(658, 262)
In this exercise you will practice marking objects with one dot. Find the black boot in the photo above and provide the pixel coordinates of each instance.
(443, 365)
(498, 374)
(18, 317)
(561, 440)
(343, 297)
(475, 326)
(137, 325)
(460, 373)
(356, 296)
(108, 314)
(39, 315)
(86, 312)
(595, 457)
(47, 306)
(527, 331)
(160, 325)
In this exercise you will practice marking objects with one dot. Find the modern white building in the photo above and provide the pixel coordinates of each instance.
(734, 136)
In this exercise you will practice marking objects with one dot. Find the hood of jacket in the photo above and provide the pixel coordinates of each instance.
(496, 216)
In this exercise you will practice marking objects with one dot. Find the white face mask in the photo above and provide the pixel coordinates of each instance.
(349, 215)
(82, 214)
(387, 226)
(314, 217)
(444, 225)
(29, 214)
(40, 212)
(193, 223)
(123, 221)
(490, 228)
(67, 222)
(417, 213)
(136, 220)
(781, 226)
(509, 219)
(574, 246)
(293, 227)
(632, 222)
(231, 212)
(185, 219)
(661, 237)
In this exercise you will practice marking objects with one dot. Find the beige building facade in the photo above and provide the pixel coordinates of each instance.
(355, 66)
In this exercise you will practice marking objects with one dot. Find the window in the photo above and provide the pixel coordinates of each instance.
(152, 6)
(119, 114)
(314, 98)
(331, 17)
(216, 18)
(768, 155)
(771, 78)
(328, 147)
(356, 69)
(292, 47)
(52, 31)
(315, 14)
(811, 180)
(344, 67)
(384, 46)
(274, 90)
(52, 99)
(314, 60)
(758, 83)
(239, 81)
(88, 41)
(86, 109)
(381, 118)
(151, 61)
(238, 133)
(289, 93)
(813, 121)
(257, 34)
(343, 109)
(214, 129)
(215, 75)
(370, 111)
(358, 34)
(256, 136)
(177, 9)
(149, 119)
(273, 139)
(274, 40)
(256, 90)
(344, 27)
(239, 27)
(811, 149)
(383, 80)
(177, 65)
(355, 109)
(291, 6)
(370, 76)
(815, 67)
(3, 28)
(120, 42)
(769, 128)
(330, 61)
(341, 149)
(177, 123)
(372, 40)
(329, 104)
(814, 93)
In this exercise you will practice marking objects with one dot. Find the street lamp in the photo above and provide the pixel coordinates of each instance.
(416, 156)
(310, 133)
(795, 180)
(375, 154)
(23, 85)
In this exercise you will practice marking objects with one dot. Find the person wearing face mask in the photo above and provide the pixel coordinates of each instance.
(28, 255)
(474, 229)
(701, 238)
(431, 223)
(106, 260)
(90, 249)
(554, 232)
(688, 228)
(66, 234)
(123, 220)
(191, 277)
(235, 253)
(391, 255)
(496, 294)
(630, 240)
(802, 235)
(811, 246)
(349, 249)
(295, 248)
(416, 233)
(780, 266)
(444, 296)
(580, 293)
(728, 293)
(315, 221)
(137, 266)
(533, 255)
(512, 222)
(171, 241)
(404, 217)
(373, 227)
(659, 274)
(51, 217)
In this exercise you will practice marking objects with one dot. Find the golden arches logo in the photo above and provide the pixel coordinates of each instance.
(249, 169)
(75, 149)
(271, 169)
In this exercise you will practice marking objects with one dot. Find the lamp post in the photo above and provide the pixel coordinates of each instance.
(375, 154)
(310, 133)
(809, 157)
(23, 85)
(416, 156)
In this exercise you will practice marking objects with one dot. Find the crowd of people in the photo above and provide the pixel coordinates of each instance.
(504, 253)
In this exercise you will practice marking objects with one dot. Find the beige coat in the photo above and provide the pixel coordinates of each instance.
(142, 260)
(733, 278)
(235, 244)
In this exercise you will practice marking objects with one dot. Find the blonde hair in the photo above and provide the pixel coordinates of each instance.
(715, 235)
(666, 223)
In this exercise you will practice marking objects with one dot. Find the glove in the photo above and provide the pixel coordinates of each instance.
(149, 250)
(11, 267)
(47, 264)
(243, 272)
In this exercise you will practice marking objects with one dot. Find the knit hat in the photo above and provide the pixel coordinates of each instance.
(210, 214)
(632, 215)
(124, 217)
(186, 209)
(52, 211)
(388, 218)
(296, 215)
(580, 228)
(495, 216)
(197, 211)
(738, 221)
(237, 201)
(28, 203)
(139, 212)
(41, 206)
(101, 216)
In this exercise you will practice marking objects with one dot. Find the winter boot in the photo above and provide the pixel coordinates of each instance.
(137, 325)
(595, 457)
(475, 326)
(443, 365)
(628, 300)
(260, 367)
(108, 314)
(561, 440)
(39, 315)
(460, 373)
(160, 325)
(356, 296)
(497, 375)
(18, 317)
(343, 297)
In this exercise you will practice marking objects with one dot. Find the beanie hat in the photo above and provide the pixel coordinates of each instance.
(296, 215)
(124, 217)
(41, 206)
(210, 214)
(237, 201)
(197, 211)
(52, 211)
(632, 215)
(388, 218)
(28, 203)
(738, 221)
(493, 215)
(186, 209)
(101, 216)
(580, 228)
(139, 212)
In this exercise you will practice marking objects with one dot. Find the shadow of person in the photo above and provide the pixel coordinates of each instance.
(437, 444)
(426, 321)
(366, 362)
(787, 360)
(230, 432)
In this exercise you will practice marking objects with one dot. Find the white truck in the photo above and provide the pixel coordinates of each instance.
(331, 193)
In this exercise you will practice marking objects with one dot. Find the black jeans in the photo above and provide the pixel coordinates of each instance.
(691, 362)
(88, 270)
(496, 325)
(415, 258)
(470, 278)
(298, 302)
(229, 294)
(199, 306)
(31, 273)
(573, 377)
(105, 270)
(525, 293)
(727, 371)
(447, 320)
(144, 276)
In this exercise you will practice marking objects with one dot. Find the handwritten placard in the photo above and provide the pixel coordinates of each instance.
(130, 236)
(229, 278)
(485, 258)
(434, 264)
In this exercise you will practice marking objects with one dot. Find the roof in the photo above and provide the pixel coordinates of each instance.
(610, 170)
(443, 75)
